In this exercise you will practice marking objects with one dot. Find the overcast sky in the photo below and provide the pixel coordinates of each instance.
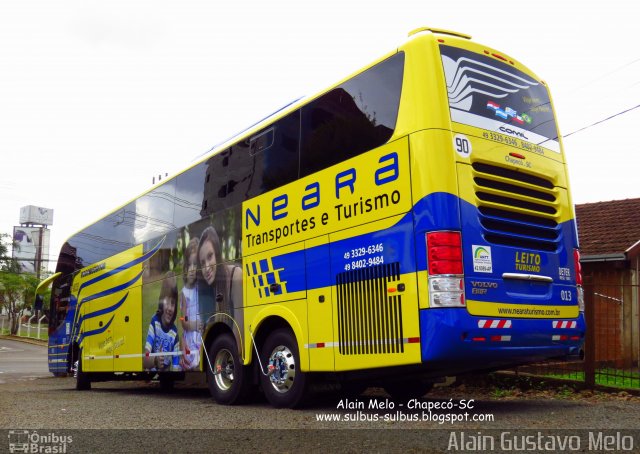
(98, 97)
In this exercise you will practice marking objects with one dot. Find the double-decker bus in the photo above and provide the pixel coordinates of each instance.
(411, 222)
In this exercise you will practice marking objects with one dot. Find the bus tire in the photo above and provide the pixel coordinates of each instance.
(284, 385)
(402, 391)
(83, 380)
(166, 382)
(230, 381)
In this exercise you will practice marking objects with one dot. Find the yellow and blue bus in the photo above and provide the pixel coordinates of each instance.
(412, 222)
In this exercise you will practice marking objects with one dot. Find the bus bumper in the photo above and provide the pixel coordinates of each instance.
(453, 339)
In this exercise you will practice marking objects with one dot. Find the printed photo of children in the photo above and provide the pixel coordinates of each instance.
(190, 318)
(221, 291)
(162, 335)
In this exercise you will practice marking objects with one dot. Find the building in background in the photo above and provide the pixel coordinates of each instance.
(31, 239)
(609, 234)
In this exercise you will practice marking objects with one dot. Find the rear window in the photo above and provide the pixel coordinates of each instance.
(495, 96)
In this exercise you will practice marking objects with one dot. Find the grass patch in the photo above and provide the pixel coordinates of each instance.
(33, 334)
(606, 377)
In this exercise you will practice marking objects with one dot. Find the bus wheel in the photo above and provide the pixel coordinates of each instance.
(402, 391)
(166, 382)
(83, 381)
(285, 385)
(230, 381)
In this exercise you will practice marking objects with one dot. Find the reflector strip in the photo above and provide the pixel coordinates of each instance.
(406, 340)
(500, 338)
(557, 337)
(135, 355)
(494, 323)
(321, 345)
(564, 324)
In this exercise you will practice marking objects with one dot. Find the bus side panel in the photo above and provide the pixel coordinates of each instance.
(278, 225)
(128, 333)
(375, 313)
(320, 302)
(108, 293)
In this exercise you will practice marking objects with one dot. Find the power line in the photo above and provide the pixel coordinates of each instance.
(601, 121)
(605, 75)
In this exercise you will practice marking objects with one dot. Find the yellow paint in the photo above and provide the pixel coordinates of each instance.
(495, 309)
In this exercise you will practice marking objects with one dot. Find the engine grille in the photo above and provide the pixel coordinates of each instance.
(516, 208)
(369, 317)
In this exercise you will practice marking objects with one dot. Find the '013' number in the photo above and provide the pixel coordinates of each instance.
(566, 295)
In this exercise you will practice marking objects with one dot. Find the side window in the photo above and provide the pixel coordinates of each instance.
(154, 212)
(240, 173)
(266, 160)
(60, 300)
(191, 187)
(276, 155)
(355, 117)
(215, 184)
(109, 236)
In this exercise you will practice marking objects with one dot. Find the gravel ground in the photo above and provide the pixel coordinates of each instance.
(139, 417)
(54, 403)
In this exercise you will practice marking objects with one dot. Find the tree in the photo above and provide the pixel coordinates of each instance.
(17, 290)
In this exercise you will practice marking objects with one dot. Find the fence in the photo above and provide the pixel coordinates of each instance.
(31, 328)
(612, 341)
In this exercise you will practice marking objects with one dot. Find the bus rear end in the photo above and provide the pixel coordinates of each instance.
(502, 259)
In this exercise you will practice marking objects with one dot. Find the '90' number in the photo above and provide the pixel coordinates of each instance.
(462, 145)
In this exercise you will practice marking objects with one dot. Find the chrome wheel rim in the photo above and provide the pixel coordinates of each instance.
(282, 369)
(223, 366)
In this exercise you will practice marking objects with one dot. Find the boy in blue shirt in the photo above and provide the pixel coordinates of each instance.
(162, 335)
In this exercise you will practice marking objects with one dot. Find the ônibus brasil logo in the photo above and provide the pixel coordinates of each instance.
(30, 441)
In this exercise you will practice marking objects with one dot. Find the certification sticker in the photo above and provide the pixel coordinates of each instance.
(482, 259)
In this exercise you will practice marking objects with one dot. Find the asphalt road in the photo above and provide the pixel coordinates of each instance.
(20, 361)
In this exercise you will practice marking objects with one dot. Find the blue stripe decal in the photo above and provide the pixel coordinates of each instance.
(95, 331)
(124, 267)
(103, 311)
(80, 302)
(404, 242)
(112, 290)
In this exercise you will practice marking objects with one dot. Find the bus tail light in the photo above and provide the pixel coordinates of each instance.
(446, 279)
(579, 288)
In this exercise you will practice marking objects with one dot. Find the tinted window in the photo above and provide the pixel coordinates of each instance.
(275, 153)
(490, 94)
(265, 161)
(215, 184)
(109, 236)
(190, 190)
(154, 212)
(355, 117)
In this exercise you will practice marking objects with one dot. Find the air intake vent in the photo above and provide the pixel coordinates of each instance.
(369, 317)
(516, 208)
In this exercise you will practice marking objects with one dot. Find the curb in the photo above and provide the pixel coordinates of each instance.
(26, 340)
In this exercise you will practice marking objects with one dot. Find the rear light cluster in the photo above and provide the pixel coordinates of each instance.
(579, 289)
(444, 256)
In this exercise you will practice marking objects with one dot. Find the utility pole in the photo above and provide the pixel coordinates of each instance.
(39, 253)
